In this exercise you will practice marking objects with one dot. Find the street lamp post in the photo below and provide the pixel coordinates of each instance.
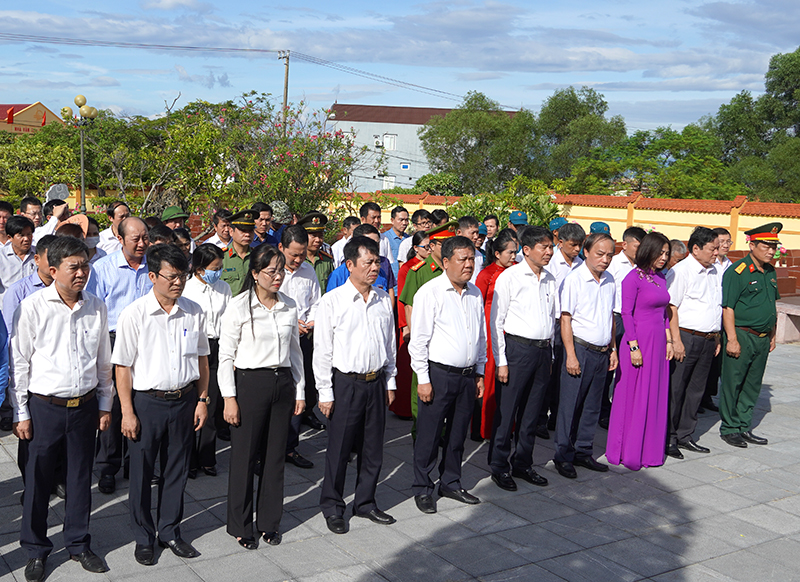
(87, 116)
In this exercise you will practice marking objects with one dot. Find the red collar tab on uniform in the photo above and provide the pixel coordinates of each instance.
(752, 268)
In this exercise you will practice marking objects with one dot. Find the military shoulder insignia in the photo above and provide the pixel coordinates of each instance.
(418, 266)
(752, 268)
(325, 255)
(740, 268)
(433, 266)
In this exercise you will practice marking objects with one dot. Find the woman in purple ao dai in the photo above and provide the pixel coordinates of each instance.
(637, 429)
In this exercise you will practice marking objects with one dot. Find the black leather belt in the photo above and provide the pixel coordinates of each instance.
(170, 394)
(529, 342)
(368, 377)
(588, 346)
(754, 332)
(68, 402)
(705, 335)
(453, 370)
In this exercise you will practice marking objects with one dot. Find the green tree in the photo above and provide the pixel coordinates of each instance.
(782, 84)
(29, 167)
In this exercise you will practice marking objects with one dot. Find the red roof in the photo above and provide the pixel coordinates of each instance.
(596, 200)
(691, 205)
(771, 209)
(386, 114)
(4, 107)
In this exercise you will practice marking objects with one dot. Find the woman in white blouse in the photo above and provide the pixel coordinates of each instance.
(261, 379)
(206, 289)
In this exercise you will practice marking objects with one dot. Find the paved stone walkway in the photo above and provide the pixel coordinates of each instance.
(731, 515)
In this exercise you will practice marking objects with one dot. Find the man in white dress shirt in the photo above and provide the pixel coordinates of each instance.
(110, 237)
(349, 224)
(370, 213)
(695, 303)
(448, 354)
(354, 367)
(621, 265)
(522, 321)
(17, 257)
(61, 395)
(468, 227)
(55, 212)
(565, 260)
(161, 354)
(222, 228)
(301, 284)
(587, 330)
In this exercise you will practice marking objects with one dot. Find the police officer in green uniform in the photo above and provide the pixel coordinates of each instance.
(236, 261)
(314, 223)
(420, 274)
(749, 292)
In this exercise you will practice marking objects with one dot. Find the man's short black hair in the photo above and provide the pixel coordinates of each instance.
(633, 232)
(572, 232)
(294, 233)
(420, 214)
(221, 214)
(368, 207)
(466, 222)
(44, 243)
(28, 201)
(93, 221)
(261, 207)
(364, 230)
(6, 206)
(17, 223)
(440, 216)
(350, 222)
(47, 209)
(112, 208)
(63, 247)
(352, 250)
(170, 254)
(719, 231)
(533, 235)
(397, 210)
(450, 245)
(161, 233)
(492, 217)
(701, 236)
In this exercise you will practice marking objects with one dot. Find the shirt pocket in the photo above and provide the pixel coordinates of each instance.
(190, 339)
(90, 342)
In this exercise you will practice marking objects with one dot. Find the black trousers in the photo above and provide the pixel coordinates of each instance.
(611, 377)
(356, 424)
(307, 347)
(579, 405)
(714, 374)
(111, 447)
(550, 404)
(450, 409)
(167, 429)
(204, 450)
(266, 400)
(687, 384)
(518, 405)
(59, 431)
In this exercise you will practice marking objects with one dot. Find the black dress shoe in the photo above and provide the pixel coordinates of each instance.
(258, 468)
(566, 469)
(312, 421)
(60, 490)
(34, 571)
(377, 516)
(90, 561)
(336, 524)
(672, 451)
(551, 422)
(107, 484)
(753, 439)
(701, 410)
(476, 437)
(603, 423)
(690, 445)
(298, 460)
(180, 548)
(590, 463)
(210, 471)
(6, 424)
(224, 434)
(461, 495)
(248, 543)
(530, 476)
(542, 432)
(734, 439)
(504, 481)
(709, 406)
(425, 503)
(273, 538)
(144, 555)
(192, 473)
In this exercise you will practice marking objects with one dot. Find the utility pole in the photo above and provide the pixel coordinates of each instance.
(285, 56)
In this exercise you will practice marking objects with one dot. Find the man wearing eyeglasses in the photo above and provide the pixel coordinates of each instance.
(422, 221)
(118, 280)
(161, 356)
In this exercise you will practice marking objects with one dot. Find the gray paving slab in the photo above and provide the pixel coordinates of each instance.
(730, 515)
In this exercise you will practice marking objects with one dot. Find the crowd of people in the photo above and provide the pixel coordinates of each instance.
(134, 348)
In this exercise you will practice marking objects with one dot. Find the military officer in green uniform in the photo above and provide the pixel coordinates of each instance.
(749, 292)
(236, 261)
(420, 274)
(314, 223)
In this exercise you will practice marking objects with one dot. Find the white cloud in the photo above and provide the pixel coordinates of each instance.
(209, 80)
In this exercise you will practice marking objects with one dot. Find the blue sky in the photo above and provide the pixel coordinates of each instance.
(657, 63)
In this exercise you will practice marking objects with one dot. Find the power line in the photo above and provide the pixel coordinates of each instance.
(12, 37)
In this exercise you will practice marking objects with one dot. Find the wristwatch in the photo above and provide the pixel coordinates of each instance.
(634, 349)
(207, 400)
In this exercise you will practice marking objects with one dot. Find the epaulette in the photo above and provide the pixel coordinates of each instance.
(740, 269)
(433, 266)
(324, 254)
(230, 251)
(418, 266)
